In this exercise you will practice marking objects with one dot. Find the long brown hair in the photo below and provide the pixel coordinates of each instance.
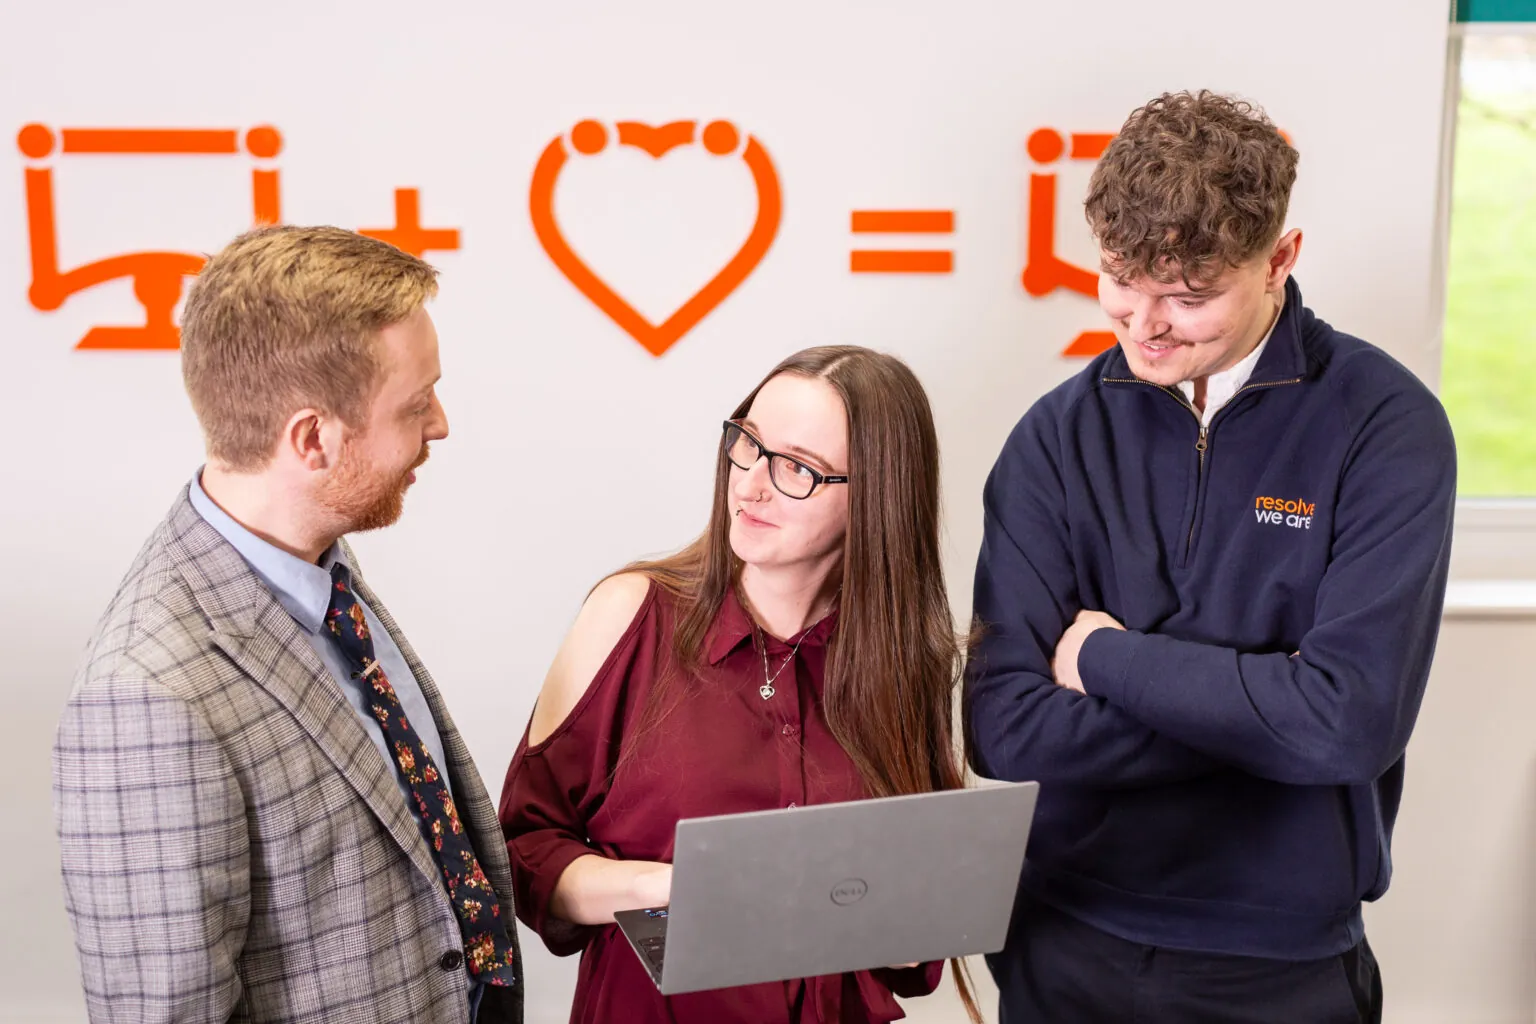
(893, 662)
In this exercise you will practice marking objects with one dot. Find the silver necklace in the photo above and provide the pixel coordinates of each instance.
(766, 690)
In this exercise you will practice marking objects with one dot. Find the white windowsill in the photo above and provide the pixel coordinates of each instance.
(1493, 28)
(1490, 599)
(1495, 541)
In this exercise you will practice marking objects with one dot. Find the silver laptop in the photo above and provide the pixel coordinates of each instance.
(796, 893)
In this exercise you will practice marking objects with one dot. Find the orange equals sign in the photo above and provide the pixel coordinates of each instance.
(902, 261)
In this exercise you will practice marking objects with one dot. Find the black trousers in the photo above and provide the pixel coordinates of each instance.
(1058, 969)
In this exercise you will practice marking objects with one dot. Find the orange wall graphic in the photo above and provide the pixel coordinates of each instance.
(721, 139)
(157, 276)
(902, 261)
(1044, 271)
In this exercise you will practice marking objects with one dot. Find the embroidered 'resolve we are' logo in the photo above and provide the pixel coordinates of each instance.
(1295, 513)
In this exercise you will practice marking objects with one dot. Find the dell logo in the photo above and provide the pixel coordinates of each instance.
(849, 890)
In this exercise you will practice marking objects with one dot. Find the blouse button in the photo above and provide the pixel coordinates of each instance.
(793, 805)
(788, 730)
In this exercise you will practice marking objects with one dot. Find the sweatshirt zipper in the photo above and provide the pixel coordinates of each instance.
(1203, 442)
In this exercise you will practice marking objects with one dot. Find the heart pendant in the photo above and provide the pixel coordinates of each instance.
(765, 691)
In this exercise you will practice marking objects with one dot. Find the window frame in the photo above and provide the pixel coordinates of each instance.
(1495, 538)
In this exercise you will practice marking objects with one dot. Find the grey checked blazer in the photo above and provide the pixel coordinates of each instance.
(234, 846)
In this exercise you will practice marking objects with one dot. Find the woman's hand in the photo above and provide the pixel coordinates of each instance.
(653, 884)
(593, 887)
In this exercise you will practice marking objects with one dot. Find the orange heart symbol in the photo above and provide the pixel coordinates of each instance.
(721, 139)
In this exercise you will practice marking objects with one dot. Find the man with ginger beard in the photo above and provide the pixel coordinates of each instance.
(264, 809)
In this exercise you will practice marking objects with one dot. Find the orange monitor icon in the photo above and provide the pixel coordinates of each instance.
(157, 276)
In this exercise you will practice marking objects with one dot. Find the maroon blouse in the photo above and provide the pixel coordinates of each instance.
(722, 750)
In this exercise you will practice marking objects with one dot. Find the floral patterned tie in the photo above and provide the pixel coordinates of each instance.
(487, 949)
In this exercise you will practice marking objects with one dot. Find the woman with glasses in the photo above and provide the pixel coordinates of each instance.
(800, 651)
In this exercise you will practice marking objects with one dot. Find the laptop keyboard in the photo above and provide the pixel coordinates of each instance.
(655, 949)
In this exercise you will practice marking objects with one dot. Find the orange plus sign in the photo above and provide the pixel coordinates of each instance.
(408, 234)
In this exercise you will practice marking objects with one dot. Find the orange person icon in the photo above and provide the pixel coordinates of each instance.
(1044, 270)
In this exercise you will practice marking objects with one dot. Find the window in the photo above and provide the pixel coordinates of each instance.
(1488, 371)
(1488, 380)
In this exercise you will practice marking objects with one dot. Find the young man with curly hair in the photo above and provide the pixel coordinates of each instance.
(1209, 591)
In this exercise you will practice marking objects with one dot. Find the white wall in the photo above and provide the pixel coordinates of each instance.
(861, 105)
(1456, 933)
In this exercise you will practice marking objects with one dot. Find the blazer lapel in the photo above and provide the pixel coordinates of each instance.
(263, 641)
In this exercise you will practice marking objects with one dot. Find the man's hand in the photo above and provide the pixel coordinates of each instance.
(1064, 662)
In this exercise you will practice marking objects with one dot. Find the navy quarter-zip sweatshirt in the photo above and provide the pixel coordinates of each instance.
(1229, 782)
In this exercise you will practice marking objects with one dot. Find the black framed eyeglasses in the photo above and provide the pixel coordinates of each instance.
(791, 477)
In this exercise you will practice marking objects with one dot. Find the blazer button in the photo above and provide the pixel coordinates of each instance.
(451, 960)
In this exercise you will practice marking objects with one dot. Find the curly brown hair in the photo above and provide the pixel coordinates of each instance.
(1194, 183)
